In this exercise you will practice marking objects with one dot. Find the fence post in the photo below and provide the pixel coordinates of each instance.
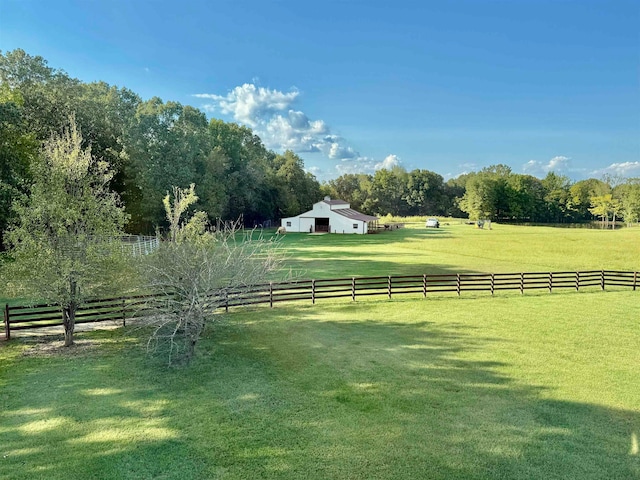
(124, 316)
(458, 283)
(389, 286)
(270, 294)
(353, 289)
(550, 282)
(602, 279)
(226, 300)
(313, 292)
(7, 328)
(635, 280)
(577, 281)
(521, 283)
(492, 283)
(424, 285)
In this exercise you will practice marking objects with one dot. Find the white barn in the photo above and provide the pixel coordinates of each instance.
(331, 216)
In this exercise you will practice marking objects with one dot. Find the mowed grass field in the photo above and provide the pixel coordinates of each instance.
(460, 248)
(477, 387)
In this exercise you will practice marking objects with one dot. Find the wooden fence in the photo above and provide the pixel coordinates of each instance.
(119, 309)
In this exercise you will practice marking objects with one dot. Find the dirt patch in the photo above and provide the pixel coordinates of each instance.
(52, 346)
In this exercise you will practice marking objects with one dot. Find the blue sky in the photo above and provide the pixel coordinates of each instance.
(352, 86)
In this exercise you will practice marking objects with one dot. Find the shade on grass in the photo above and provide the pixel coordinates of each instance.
(533, 386)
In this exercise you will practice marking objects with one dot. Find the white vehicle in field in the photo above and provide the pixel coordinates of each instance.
(432, 223)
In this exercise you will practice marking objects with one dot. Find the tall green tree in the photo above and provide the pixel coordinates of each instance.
(526, 198)
(354, 188)
(556, 197)
(18, 148)
(389, 192)
(247, 171)
(487, 193)
(580, 197)
(300, 189)
(425, 193)
(49, 96)
(604, 205)
(629, 195)
(65, 246)
(166, 144)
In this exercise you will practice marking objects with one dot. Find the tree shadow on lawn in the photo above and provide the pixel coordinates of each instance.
(290, 395)
(89, 414)
(304, 240)
(335, 266)
(399, 400)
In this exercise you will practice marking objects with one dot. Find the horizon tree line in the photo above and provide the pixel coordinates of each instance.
(151, 146)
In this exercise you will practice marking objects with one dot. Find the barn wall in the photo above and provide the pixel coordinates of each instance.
(305, 222)
(295, 224)
(340, 224)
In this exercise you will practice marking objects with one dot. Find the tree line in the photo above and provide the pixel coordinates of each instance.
(151, 146)
(494, 193)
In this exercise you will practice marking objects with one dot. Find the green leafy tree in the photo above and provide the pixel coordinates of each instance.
(354, 188)
(166, 145)
(182, 199)
(18, 148)
(580, 194)
(602, 206)
(246, 174)
(487, 194)
(556, 197)
(526, 198)
(389, 192)
(65, 246)
(49, 96)
(299, 189)
(425, 193)
(629, 195)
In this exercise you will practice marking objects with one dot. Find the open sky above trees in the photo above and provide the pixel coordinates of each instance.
(352, 87)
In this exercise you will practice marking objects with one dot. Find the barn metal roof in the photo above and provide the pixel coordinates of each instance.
(354, 215)
(335, 202)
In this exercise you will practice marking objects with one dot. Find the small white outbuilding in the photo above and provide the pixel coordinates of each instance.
(330, 216)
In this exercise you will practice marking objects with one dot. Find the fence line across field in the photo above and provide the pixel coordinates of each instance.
(119, 309)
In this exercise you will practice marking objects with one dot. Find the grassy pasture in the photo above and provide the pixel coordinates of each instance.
(478, 387)
(459, 248)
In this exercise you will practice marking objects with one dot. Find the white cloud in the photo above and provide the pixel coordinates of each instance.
(271, 116)
(356, 165)
(388, 163)
(250, 104)
(624, 169)
(341, 152)
(367, 164)
(558, 164)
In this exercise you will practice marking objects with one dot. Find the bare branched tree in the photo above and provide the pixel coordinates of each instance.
(193, 274)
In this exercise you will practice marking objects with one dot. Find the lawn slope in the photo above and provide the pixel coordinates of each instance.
(518, 387)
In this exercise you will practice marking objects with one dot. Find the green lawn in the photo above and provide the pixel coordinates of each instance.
(541, 386)
(458, 248)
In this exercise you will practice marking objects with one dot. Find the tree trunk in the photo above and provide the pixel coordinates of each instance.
(69, 322)
(69, 315)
